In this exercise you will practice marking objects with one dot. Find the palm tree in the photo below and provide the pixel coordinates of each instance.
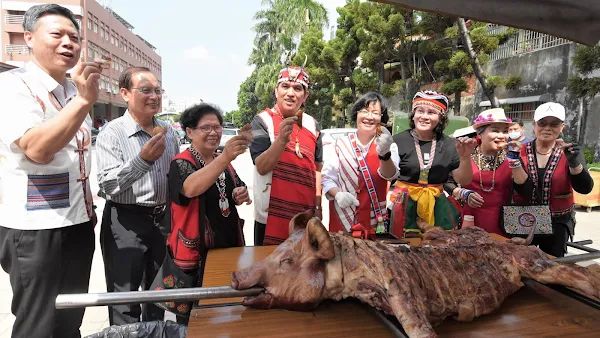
(280, 26)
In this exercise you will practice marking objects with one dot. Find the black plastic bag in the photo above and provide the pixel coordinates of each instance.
(155, 329)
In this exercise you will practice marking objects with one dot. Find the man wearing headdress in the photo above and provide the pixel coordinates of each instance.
(288, 156)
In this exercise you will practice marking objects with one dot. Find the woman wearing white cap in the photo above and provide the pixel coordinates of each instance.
(556, 168)
(495, 168)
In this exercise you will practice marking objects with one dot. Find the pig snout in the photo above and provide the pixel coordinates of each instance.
(246, 278)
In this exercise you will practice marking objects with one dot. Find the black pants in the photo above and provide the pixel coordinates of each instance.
(133, 248)
(556, 244)
(43, 264)
(259, 233)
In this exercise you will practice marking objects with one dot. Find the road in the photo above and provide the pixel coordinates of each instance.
(96, 318)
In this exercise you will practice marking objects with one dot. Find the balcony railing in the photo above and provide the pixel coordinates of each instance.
(16, 49)
(15, 19)
(523, 42)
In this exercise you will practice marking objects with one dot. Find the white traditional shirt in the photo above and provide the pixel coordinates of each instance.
(40, 196)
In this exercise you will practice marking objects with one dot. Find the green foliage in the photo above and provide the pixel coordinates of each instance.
(379, 29)
(369, 35)
(391, 89)
(346, 96)
(460, 63)
(586, 60)
(512, 82)
(451, 32)
(495, 81)
(235, 116)
(455, 86)
(588, 154)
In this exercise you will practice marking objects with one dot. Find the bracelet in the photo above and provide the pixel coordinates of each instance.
(386, 156)
(512, 155)
(513, 164)
(578, 167)
(464, 194)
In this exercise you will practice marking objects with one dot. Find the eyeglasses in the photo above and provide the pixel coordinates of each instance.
(372, 113)
(207, 129)
(148, 90)
(544, 124)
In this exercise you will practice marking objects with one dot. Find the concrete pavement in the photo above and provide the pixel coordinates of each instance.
(96, 318)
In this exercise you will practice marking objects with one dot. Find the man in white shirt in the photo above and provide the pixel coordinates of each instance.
(46, 213)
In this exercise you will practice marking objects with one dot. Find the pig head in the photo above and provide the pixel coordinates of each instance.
(293, 276)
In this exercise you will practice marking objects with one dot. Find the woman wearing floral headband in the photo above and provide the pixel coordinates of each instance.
(495, 168)
(426, 158)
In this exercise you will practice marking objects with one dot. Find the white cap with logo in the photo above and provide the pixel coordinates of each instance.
(549, 109)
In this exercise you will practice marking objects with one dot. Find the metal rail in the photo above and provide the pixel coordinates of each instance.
(577, 258)
(68, 301)
(581, 245)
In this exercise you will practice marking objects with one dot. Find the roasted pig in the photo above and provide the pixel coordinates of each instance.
(461, 274)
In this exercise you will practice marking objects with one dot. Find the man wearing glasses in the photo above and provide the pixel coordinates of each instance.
(288, 157)
(134, 152)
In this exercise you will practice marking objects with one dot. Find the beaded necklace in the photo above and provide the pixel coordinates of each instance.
(220, 183)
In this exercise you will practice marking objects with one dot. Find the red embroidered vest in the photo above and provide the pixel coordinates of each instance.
(556, 190)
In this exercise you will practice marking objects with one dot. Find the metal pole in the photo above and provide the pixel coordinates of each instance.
(69, 301)
(577, 258)
(581, 246)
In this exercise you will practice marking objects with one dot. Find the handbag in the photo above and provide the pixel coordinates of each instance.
(517, 220)
(171, 276)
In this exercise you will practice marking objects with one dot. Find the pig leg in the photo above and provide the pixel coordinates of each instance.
(408, 312)
(584, 280)
(413, 321)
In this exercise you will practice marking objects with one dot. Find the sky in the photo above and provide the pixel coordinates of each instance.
(204, 44)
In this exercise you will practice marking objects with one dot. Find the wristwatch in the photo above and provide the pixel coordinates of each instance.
(317, 207)
(386, 156)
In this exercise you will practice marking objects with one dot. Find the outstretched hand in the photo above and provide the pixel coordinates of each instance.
(465, 146)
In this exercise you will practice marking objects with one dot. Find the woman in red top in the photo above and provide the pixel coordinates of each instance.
(496, 170)
(200, 182)
(556, 169)
(353, 174)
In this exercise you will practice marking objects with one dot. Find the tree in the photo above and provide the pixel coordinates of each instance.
(278, 30)
(234, 117)
(584, 86)
(247, 101)
(477, 44)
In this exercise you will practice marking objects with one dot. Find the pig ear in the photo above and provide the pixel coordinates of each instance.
(317, 234)
(300, 221)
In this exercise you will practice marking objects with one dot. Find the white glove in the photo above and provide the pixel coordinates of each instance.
(345, 199)
(384, 142)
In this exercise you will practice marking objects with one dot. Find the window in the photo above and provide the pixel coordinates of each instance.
(90, 53)
(95, 25)
(106, 34)
(522, 111)
(102, 29)
(89, 21)
(112, 38)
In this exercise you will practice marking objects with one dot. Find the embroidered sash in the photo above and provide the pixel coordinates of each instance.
(363, 167)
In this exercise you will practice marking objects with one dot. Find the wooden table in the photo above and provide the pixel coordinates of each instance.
(534, 311)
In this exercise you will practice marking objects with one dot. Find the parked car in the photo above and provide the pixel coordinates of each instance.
(227, 134)
(183, 139)
(95, 132)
